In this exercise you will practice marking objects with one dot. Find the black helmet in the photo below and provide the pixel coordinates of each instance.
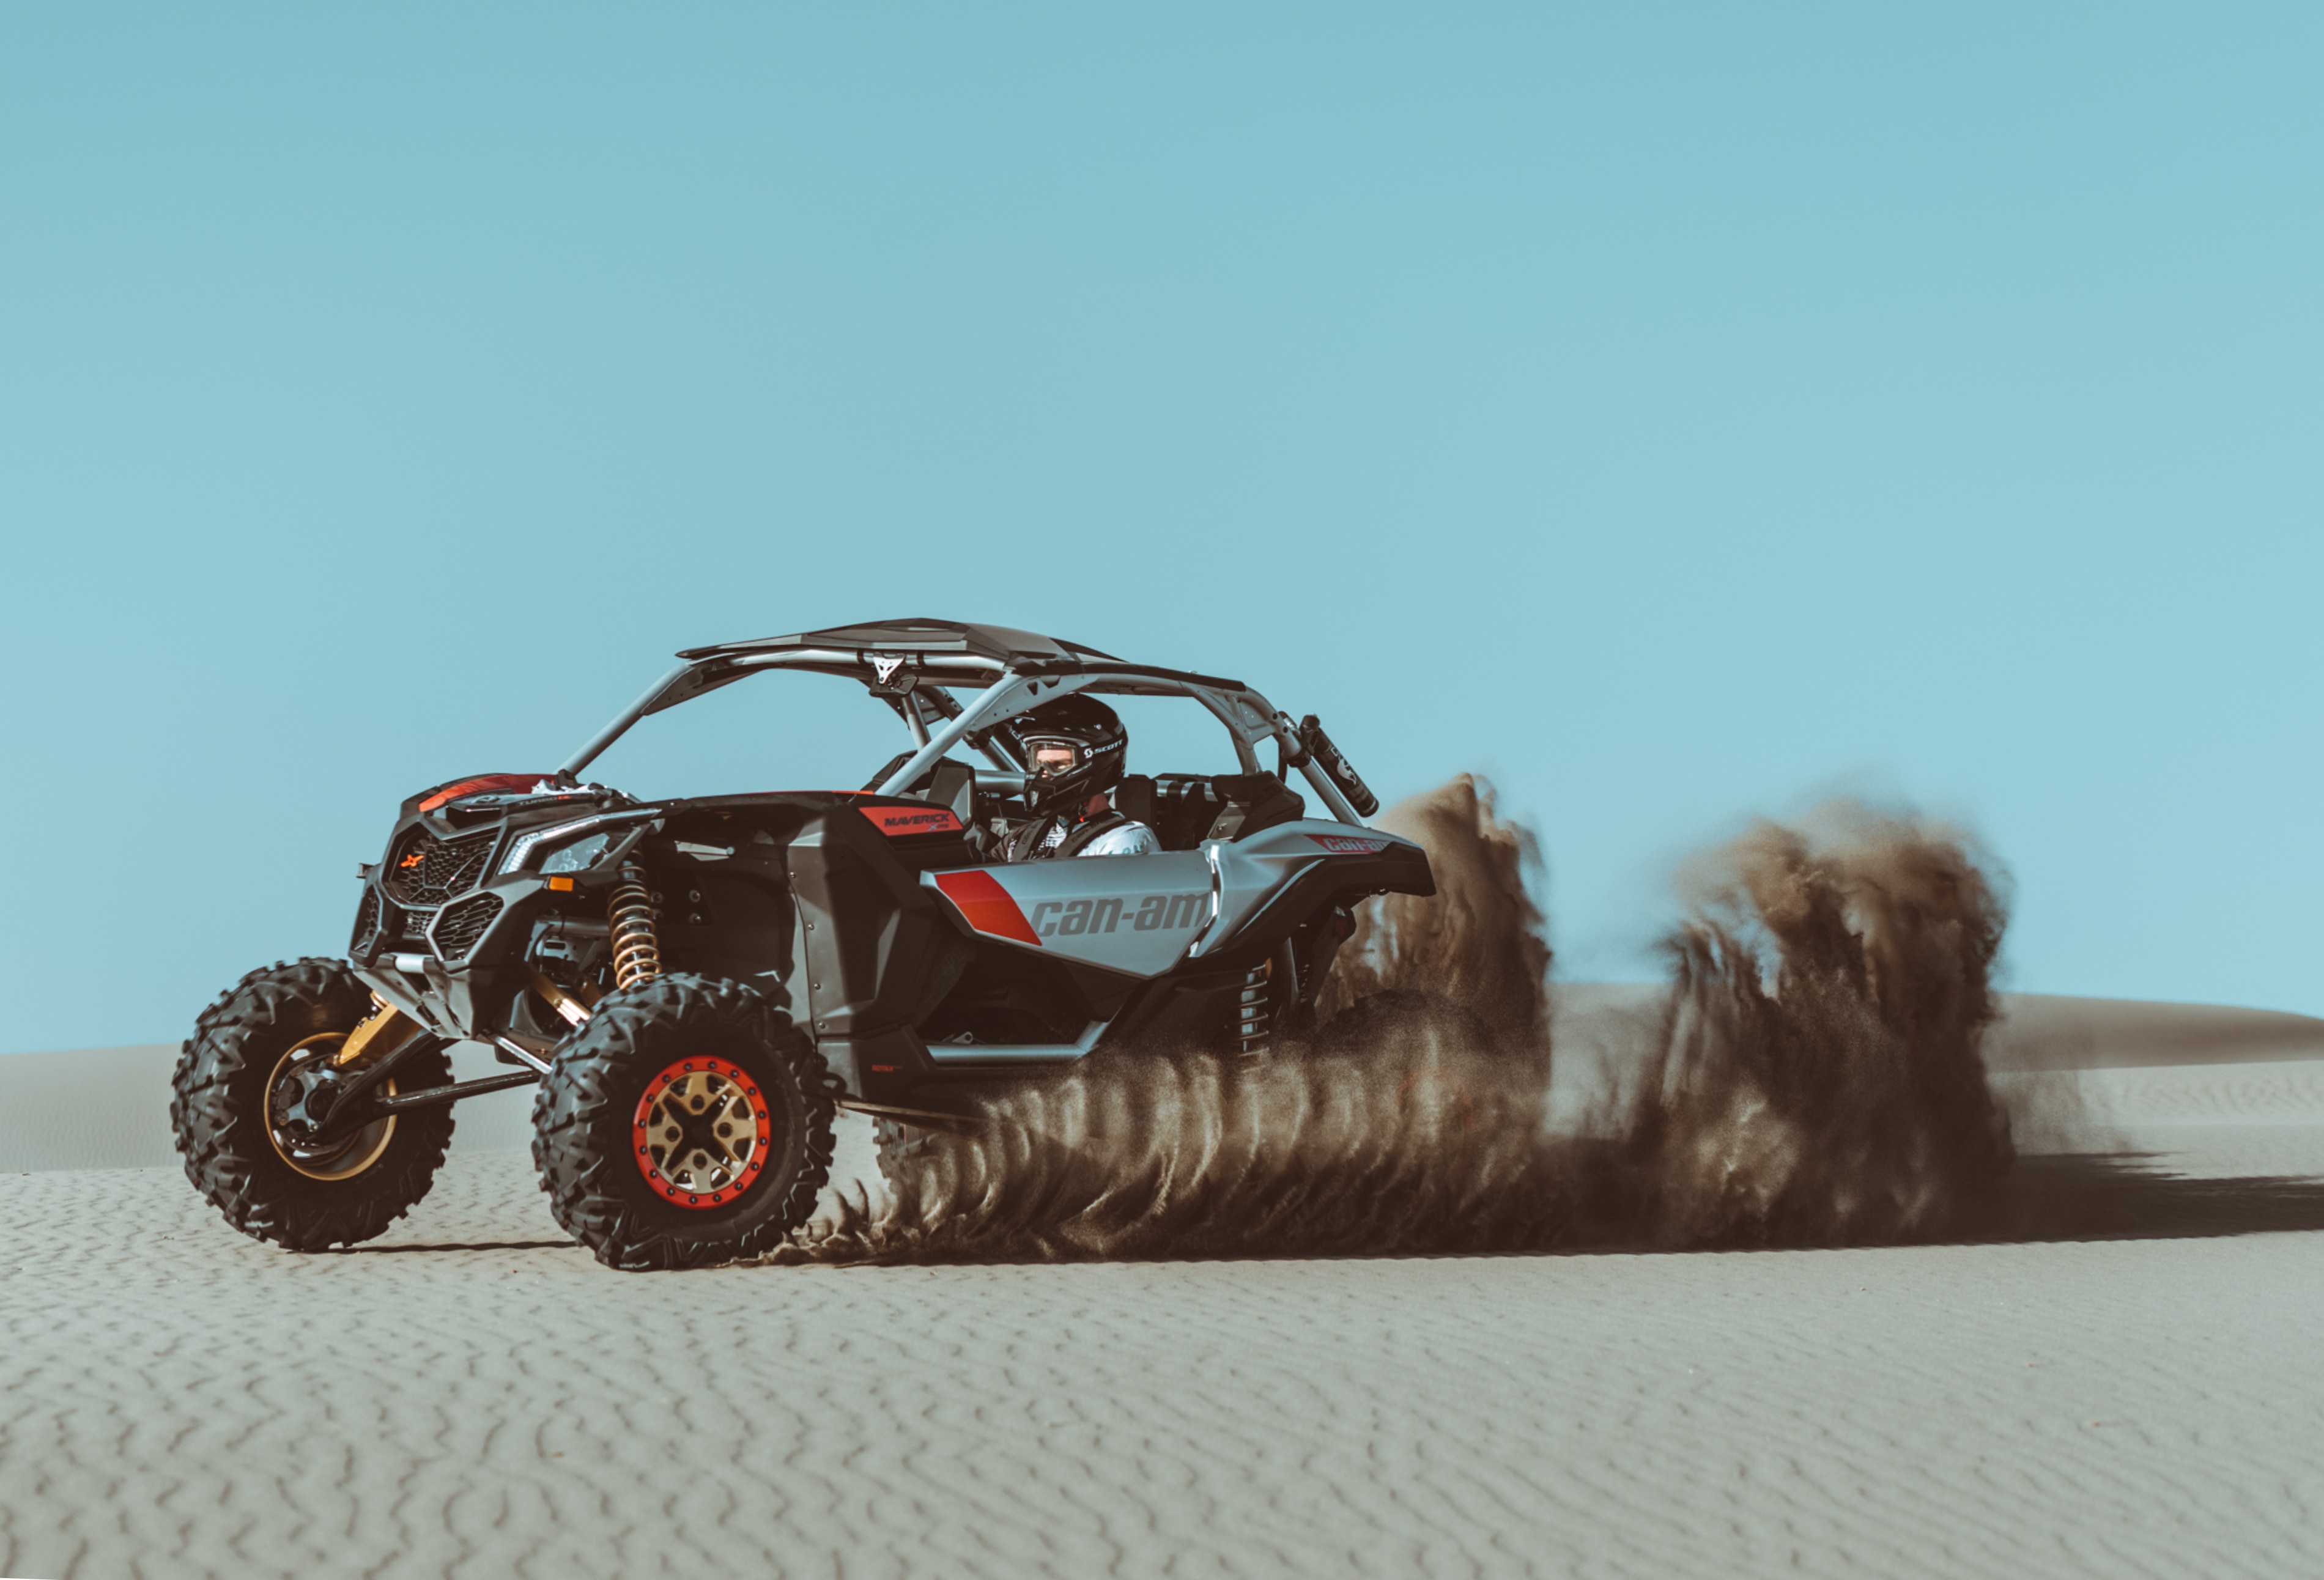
(1073, 748)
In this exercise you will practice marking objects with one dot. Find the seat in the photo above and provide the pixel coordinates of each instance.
(1253, 802)
(952, 784)
(1184, 806)
(1189, 808)
(1134, 798)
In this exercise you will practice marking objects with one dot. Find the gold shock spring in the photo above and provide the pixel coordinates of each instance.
(637, 948)
(1254, 1011)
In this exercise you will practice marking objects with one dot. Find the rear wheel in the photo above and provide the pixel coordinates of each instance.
(686, 1124)
(250, 1090)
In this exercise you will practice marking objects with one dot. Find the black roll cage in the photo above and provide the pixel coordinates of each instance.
(917, 663)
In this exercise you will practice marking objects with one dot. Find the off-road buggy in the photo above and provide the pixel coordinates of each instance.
(697, 984)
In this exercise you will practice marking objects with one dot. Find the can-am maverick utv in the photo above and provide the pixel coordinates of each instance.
(696, 984)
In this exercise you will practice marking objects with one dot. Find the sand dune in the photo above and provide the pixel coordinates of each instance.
(2042, 1032)
(2038, 1031)
(2119, 1384)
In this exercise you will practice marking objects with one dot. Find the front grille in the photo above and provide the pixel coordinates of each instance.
(425, 870)
(463, 923)
(366, 923)
(414, 927)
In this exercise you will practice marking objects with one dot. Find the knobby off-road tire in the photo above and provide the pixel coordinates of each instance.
(218, 1111)
(591, 1136)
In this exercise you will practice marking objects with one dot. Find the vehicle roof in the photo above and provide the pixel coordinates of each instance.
(937, 639)
(1009, 667)
(1004, 643)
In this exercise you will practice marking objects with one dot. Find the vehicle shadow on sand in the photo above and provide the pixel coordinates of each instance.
(2114, 1195)
(445, 1246)
(2053, 1197)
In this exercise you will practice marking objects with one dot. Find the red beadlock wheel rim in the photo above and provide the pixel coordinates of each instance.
(702, 1132)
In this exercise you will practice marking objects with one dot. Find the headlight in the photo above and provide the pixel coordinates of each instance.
(572, 846)
(577, 857)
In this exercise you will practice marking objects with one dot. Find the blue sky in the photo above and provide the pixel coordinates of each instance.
(1673, 413)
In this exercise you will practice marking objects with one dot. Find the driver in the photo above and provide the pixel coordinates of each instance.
(1073, 753)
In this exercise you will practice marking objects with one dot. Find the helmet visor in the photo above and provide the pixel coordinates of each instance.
(1050, 758)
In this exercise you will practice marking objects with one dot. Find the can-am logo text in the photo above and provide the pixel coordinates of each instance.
(1350, 844)
(1070, 918)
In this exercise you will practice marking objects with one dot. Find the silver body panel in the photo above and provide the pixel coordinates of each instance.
(1143, 915)
(1135, 914)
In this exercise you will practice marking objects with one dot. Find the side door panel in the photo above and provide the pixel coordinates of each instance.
(1130, 913)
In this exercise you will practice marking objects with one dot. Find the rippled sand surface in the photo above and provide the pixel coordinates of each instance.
(2128, 1382)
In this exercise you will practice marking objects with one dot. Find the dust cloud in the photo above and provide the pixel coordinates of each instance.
(1477, 942)
(1812, 1076)
(1818, 1079)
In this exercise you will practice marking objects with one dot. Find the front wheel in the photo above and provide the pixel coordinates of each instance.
(239, 1106)
(686, 1124)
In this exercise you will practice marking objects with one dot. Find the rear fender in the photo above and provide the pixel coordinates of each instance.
(1274, 880)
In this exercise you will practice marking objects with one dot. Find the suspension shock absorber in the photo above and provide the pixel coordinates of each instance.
(1254, 1011)
(637, 948)
(1271, 992)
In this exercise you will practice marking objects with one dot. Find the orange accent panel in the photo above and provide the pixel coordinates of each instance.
(986, 906)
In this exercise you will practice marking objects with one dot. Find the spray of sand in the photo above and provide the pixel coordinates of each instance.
(1476, 942)
(1819, 1076)
(1814, 1079)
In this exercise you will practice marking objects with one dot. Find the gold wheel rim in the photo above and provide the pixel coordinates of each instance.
(342, 1160)
(703, 1133)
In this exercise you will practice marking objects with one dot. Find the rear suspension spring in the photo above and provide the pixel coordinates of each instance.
(637, 948)
(1254, 1011)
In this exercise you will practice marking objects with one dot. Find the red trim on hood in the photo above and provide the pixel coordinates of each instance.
(481, 784)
